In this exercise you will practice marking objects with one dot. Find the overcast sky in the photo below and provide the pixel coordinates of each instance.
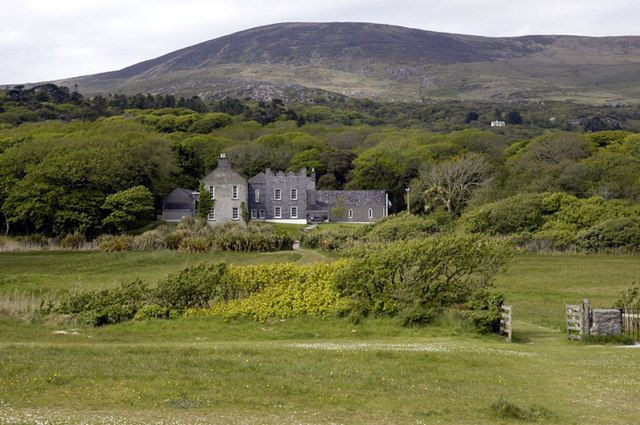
(50, 39)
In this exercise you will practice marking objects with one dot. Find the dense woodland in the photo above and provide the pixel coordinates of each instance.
(70, 164)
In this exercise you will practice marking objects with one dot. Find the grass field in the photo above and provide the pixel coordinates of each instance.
(204, 370)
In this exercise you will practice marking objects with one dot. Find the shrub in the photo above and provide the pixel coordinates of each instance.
(614, 234)
(173, 239)
(402, 226)
(152, 311)
(330, 240)
(72, 241)
(249, 241)
(114, 243)
(191, 287)
(149, 241)
(555, 235)
(194, 244)
(420, 274)
(106, 306)
(584, 213)
(522, 212)
(483, 311)
(280, 290)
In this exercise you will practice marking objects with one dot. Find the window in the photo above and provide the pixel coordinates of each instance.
(370, 213)
(277, 194)
(235, 214)
(212, 214)
(254, 214)
(350, 213)
(277, 212)
(257, 196)
(294, 212)
(234, 192)
(212, 191)
(294, 194)
(261, 214)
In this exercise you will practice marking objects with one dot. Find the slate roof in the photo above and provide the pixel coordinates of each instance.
(179, 199)
(258, 178)
(329, 198)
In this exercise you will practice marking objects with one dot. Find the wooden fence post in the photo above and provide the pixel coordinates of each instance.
(586, 317)
(506, 319)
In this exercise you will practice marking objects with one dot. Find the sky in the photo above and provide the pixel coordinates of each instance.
(52, 39)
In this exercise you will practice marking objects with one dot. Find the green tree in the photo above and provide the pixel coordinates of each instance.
(205, 203)
(128, 208)
(244, 212)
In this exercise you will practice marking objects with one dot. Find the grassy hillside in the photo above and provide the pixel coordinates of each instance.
(387, 62)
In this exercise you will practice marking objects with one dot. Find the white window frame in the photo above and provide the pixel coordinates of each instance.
(257, 195)
(370, 213)
(254, 214)
(294, 194)
(212, 191)
(350, 213)
(261, 214)
(291, 214)
(277, 212)
(211, 216)
(277, 194)
(235, 213)
(234, 192)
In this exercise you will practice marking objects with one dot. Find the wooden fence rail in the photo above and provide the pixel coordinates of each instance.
(574, 321)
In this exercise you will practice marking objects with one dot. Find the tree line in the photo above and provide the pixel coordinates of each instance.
(60, 176)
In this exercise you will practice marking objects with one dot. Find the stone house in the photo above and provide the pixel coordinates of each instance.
(228, 189)
(276, 197)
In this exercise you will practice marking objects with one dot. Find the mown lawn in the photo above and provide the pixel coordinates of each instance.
(205, 370)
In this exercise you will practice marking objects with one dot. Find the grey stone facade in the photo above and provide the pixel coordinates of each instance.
(280, 196)
(229, 191)
(277, 196)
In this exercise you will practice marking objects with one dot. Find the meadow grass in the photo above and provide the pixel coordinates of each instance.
(539, 286)
(322, 370)
(43, 271)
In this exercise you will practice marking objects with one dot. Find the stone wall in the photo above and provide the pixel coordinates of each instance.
(606, 322)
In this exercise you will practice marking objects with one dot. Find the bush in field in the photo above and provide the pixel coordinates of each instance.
(190, 287)
(419, 275)
(149, 241)
(194, 244)
(115, 243)
(584, 213)
(330, 240)
(173, 239)
(613, 234)
(522, 212)
(72, 241)
(402, 226)
(247, 241)
(106, 306)
(152, 311)
(279, 290)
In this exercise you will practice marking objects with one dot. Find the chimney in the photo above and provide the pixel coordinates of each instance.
(223, 161)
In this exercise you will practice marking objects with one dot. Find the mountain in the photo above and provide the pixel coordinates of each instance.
(387, 62)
